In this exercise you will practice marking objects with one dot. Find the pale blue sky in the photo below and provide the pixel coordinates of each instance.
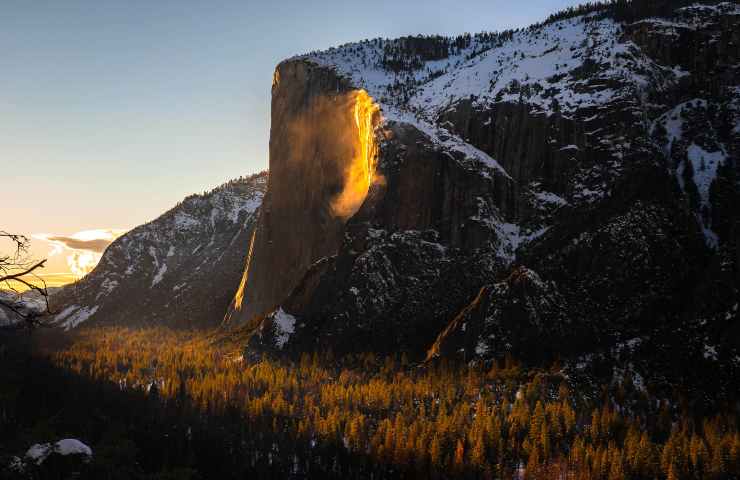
(113, 111)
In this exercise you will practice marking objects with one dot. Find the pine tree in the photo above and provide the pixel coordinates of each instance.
(533, 464)
(478, 452)
(435, 452)
(459, 458)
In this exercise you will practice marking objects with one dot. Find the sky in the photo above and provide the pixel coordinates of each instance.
(113, 111)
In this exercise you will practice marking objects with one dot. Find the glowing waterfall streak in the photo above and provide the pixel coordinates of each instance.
(239, 298)
(361, 172)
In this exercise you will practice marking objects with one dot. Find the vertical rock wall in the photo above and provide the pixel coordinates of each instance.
(321, 150)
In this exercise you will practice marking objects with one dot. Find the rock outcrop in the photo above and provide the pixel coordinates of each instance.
(320, 170)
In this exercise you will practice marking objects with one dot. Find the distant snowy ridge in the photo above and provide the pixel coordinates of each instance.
(172, 268)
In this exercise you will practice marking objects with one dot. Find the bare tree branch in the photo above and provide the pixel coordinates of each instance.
(15, 268)
(17, 276)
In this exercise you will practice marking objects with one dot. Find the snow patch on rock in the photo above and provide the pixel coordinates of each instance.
(284, 326)
(74, 315)
(39, 452)
(159, 275)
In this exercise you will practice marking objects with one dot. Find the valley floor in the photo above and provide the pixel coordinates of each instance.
(157, 403)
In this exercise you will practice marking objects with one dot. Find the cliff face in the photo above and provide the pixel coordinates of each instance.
(634, 257)
(410, 256)
(556, 191)
(322, 159)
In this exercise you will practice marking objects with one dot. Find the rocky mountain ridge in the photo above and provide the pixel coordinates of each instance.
(179, 270)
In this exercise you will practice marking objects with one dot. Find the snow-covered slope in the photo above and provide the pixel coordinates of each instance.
(546, 60)
(549, 59)
(29, 302)
(180, 269)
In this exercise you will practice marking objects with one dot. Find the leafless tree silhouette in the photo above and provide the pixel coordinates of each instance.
(18, 270)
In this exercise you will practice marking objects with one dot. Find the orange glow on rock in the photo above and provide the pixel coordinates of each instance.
(239, 298)
(360, 174)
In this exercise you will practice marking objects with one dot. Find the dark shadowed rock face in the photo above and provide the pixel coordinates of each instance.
(427, 188)
(566, 191)
(522, 314)
(180, 270)
(410, 256)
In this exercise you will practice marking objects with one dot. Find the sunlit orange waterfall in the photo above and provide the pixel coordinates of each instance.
(360, 174)
(239, 298)
(323, 157)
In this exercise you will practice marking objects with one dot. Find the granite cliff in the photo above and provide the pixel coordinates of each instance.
(559, 190)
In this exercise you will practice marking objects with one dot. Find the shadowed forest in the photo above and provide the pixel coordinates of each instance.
(157, 403)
